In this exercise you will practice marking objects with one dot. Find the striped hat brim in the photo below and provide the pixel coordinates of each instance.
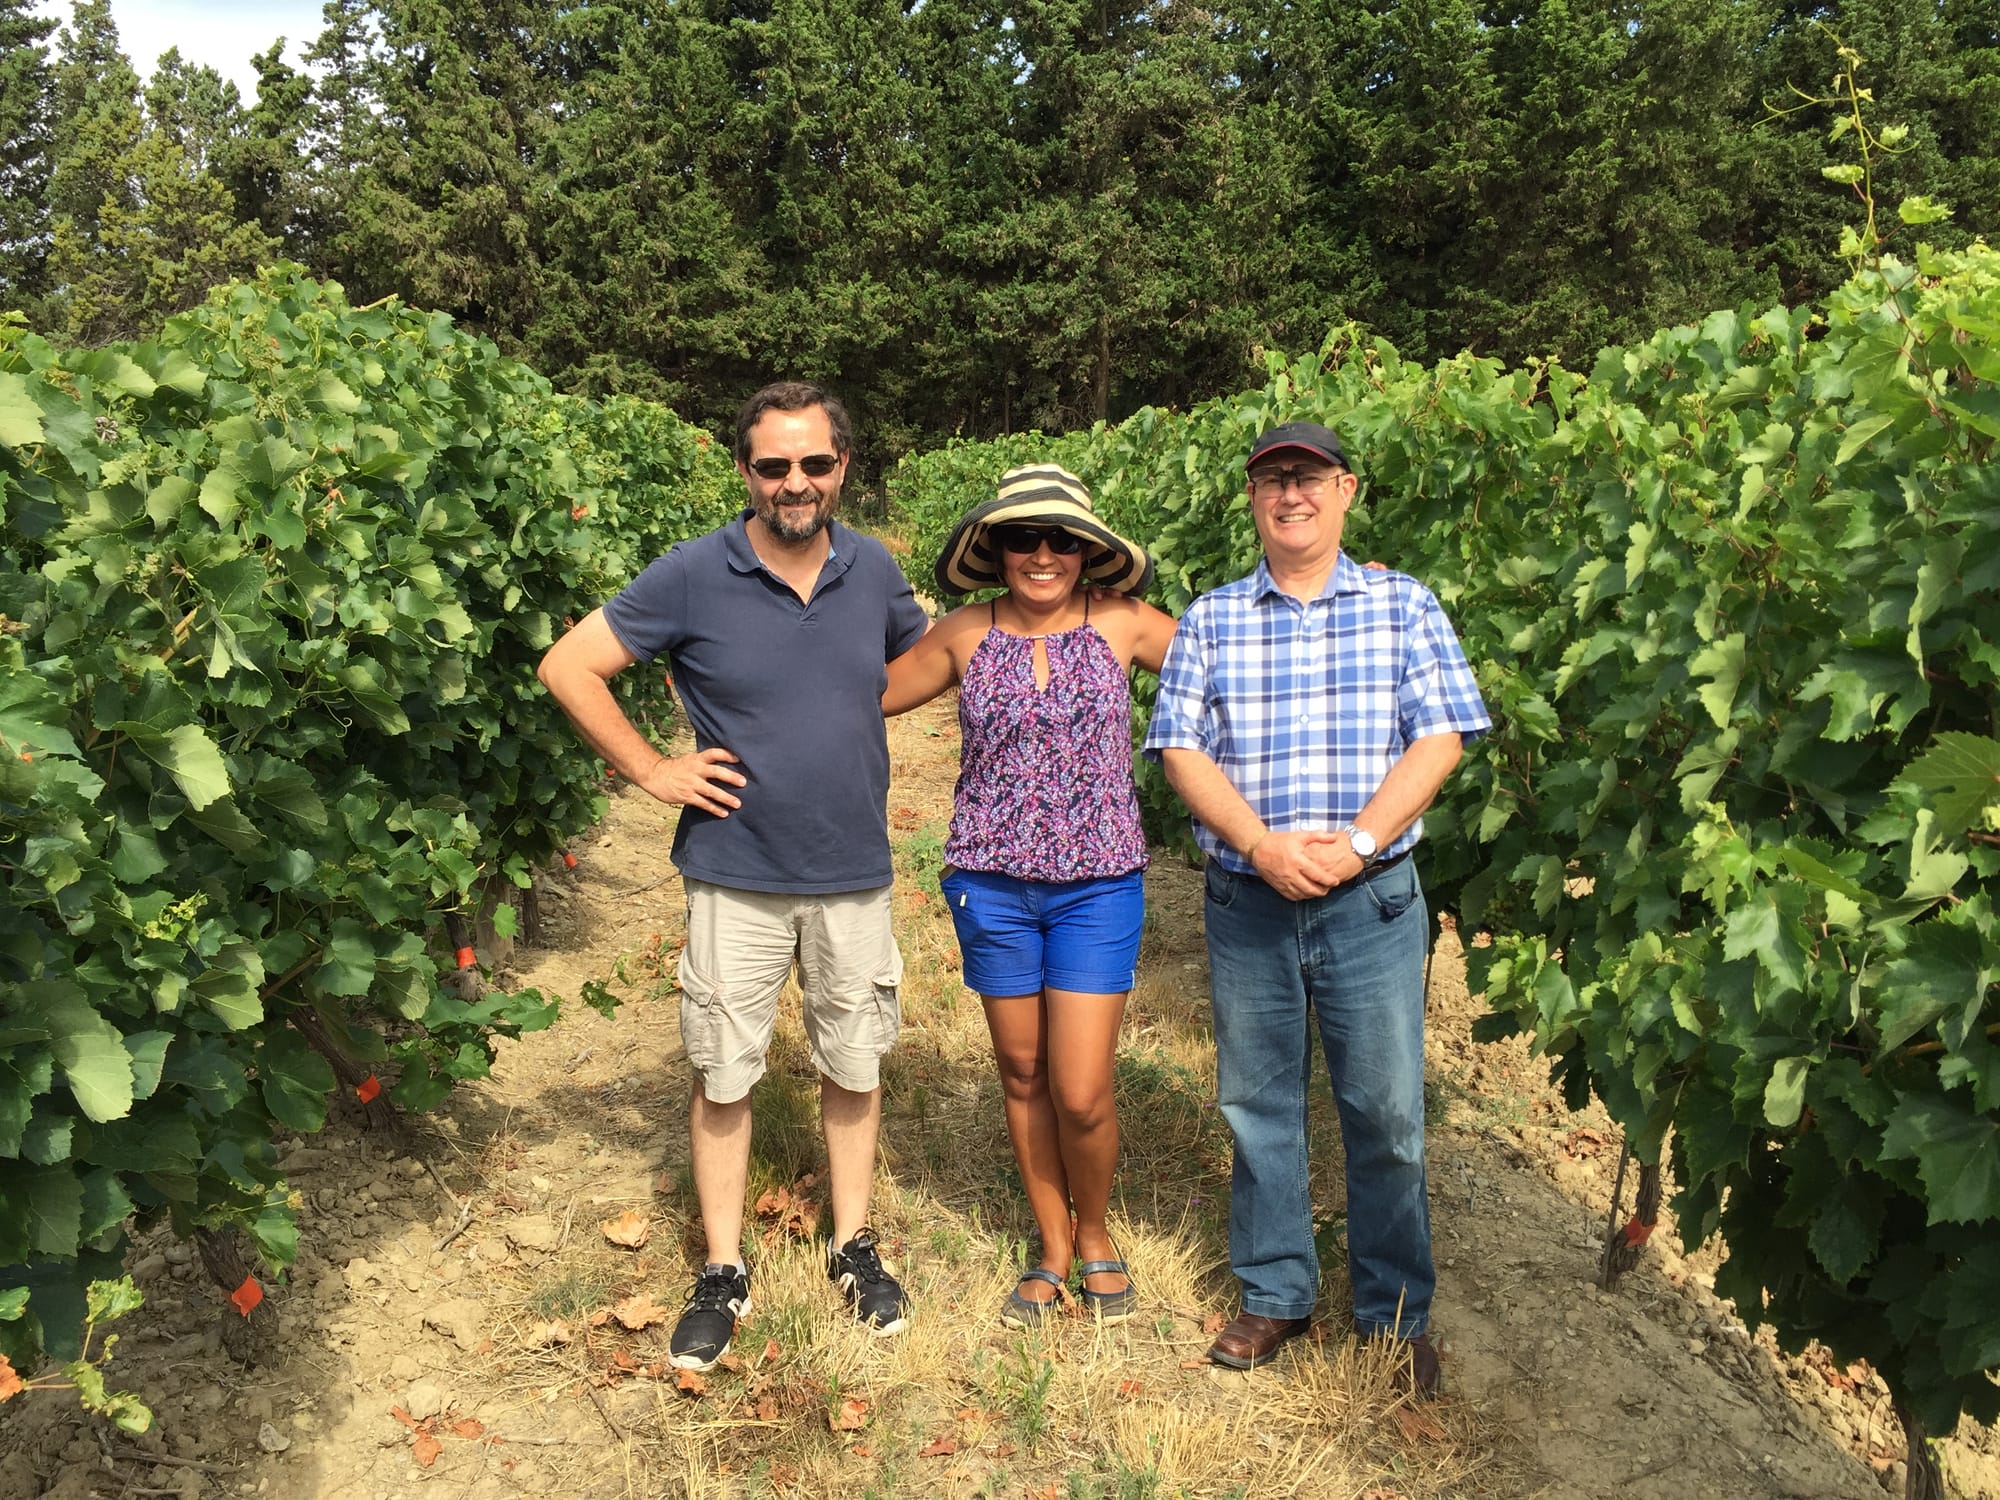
(971, 561)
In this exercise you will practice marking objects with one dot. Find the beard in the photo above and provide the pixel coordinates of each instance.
(795, 533)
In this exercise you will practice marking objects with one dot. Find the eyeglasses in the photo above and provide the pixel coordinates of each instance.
(1269, 484)
(1023, 540)
(815, 466)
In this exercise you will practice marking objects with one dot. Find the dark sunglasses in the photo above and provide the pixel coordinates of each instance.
(815, 465)
(1023, 540)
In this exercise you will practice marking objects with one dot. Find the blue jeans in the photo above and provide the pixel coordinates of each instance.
(1355, 958)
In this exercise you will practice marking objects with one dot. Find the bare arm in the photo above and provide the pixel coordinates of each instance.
(577, 671)
(1155, 632)
(1410, 787)
(1292, 864)
(925, 670)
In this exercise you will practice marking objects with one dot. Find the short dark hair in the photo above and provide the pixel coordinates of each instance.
(792, 395)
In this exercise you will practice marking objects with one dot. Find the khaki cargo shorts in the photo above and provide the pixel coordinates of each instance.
(742, 947)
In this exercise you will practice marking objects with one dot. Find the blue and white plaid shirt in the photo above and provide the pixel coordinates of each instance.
(1305, 705)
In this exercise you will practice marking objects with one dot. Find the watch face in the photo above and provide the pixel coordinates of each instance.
(1362, 842)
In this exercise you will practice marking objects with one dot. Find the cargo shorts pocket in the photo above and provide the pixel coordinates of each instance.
(889, 998)
(701, 1021)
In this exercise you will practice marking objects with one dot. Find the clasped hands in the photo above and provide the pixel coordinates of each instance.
(1306, 863)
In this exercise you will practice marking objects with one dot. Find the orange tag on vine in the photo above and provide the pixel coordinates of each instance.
(569, 860)
(467, 958)
(246, 1297)
(367, 1089)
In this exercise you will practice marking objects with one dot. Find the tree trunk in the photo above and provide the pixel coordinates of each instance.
(251, 1338)
(1923, 1479)
(377, 1113)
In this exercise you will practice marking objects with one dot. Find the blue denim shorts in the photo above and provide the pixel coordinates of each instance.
(1020, 937)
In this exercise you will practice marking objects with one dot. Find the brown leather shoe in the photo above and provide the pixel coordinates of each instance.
(1417, 1370)
(1251, 1339)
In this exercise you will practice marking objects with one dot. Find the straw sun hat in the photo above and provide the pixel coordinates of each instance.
(1039, 495)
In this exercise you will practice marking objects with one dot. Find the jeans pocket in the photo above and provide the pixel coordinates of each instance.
(1220, 884)
(1393, 890)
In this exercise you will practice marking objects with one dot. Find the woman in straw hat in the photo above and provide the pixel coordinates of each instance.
(1044, 859)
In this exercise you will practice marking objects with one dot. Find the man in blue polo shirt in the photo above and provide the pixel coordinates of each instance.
(1307, 716)
(779, 626)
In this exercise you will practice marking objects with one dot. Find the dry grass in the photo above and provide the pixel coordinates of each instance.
(958, 1405)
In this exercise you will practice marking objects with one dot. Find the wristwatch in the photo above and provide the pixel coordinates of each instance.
(1362, 842)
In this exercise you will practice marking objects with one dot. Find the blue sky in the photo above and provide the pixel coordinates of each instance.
(221, 33)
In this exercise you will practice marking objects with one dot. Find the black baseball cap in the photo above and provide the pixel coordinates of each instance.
(1322, 442)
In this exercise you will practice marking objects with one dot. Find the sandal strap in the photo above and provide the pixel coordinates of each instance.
(1104, 1267)
(1040, 1273)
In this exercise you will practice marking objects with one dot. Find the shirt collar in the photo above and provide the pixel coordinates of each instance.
(743, 557)
(1347, 577)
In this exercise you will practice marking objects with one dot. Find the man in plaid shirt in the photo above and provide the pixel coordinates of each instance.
(1307, 716)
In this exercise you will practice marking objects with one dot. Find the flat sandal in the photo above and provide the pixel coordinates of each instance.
(1021, 1312)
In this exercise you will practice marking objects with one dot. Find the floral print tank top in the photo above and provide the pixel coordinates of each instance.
(1045, 774)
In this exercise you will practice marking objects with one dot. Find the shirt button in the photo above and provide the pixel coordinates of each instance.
(1305, 718)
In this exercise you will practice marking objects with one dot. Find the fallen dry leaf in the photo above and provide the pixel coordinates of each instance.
(853, 1412)
(426, 1449)
(599, 1318)
(638, 1311)
(1214, 1323)
(942, 1447)
(772, 1202)
(1128, 1389)
(484, 1346)
(731, 1360)
(549, 1334)
(630, 1229)
(623, 1359)
(691, 1382)
(1004, 1449)
(767, 1409)
(11, 1384)
(1418, 1425)
(1193, 1364)
(469, 1427)
(862, 1450)
(771, 1351)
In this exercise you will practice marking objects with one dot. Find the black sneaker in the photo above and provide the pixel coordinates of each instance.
(857, 1269)
(721, 1295)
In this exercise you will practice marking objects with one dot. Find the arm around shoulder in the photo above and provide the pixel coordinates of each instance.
(927, 668)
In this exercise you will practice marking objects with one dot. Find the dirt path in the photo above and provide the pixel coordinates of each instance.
(459, 1324)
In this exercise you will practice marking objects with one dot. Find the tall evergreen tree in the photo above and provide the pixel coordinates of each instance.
(264, 163)
(655, 277)
(195, 106)
(445, 206)
(98, 121)
(27, 113)
(142, 228)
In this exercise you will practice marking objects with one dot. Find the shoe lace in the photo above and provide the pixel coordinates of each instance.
(863, 1261)
(713, 1289)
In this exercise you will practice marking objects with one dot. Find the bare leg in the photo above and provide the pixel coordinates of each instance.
(1020, 1046)
(719, 1152)
(1082, 1043)
(851, 1122)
